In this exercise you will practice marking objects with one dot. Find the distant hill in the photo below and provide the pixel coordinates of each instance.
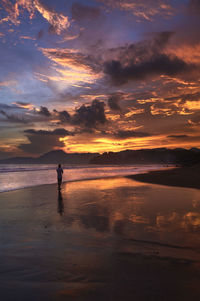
(178, 156)
(53, 157)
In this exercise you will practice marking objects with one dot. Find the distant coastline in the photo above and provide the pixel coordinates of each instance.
(164, 156)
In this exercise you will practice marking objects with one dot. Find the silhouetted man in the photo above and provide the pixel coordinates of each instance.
(59, 175)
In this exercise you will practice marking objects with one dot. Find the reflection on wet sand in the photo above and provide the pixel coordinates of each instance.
(60, 203)
(117, 238)
(134, 210)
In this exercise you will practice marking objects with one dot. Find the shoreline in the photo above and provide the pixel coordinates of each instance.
(64, 182)
(187, 177)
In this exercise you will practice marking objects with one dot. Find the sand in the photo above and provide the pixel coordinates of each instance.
(109, 239)
(180, 177)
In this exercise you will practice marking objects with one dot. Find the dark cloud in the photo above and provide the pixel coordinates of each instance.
(91, 115)
(159, 64)
(143, 50)
(82, 12)
(58, 132)
(44, 111)
(131, 134)
(194, 6)
(13, 117)
(21, 103)
(161, 39)
(4, 106)
(39, 144)
(43, 141)
(178, 136)
(113, 102)
(64, 116)
(195, 119)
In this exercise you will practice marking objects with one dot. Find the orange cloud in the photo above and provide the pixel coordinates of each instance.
(23, 105)
(190, 54)
(142, 9)
(27, 38)
(7, 83)
(69, 67)
(59, 22)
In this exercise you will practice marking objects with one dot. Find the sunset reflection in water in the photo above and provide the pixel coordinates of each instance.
(130, 210)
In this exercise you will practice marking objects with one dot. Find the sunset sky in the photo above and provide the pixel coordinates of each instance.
(98, 75)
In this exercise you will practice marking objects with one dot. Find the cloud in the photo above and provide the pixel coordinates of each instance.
(44, 111)
(58, 22)
(194, 120)
(82, 12)
(12, 11)
(185, 97)
(123, 134)
(146, 59)
(90, 116)
(4, 106)
(13, 117)
(194, 7)
(64, 116)
(57, 132)
(7, 83)
(159, 64)
(23, 105)
(42, 141)
(178, 136)
(71, 67)
(143, 9)
(113, 102)
(72, 58)
(27, 38)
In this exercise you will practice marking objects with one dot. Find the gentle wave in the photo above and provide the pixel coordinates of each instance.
(21, 176)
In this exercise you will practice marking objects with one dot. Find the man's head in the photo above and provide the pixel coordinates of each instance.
(59, 165)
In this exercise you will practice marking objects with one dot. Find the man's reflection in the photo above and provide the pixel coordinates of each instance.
(60, 203)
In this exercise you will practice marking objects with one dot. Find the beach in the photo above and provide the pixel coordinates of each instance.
(180, 177)
(100, 239)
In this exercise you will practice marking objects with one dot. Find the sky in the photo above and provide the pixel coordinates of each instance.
(98, 75)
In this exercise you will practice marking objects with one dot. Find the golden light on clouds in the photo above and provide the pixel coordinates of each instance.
(101, 144)
(59, 22)
(142, 9)
(190, 54)
(192, 105)
(67, 78)
(27, 106)
(70, 69)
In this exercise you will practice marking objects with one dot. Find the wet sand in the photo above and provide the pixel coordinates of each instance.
(180, 177)
(109, 239)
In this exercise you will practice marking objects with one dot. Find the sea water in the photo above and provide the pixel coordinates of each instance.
(17, 176)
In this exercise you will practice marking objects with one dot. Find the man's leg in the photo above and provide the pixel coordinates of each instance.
(59, 183)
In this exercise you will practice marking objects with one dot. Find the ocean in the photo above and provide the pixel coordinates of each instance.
(18, 176)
